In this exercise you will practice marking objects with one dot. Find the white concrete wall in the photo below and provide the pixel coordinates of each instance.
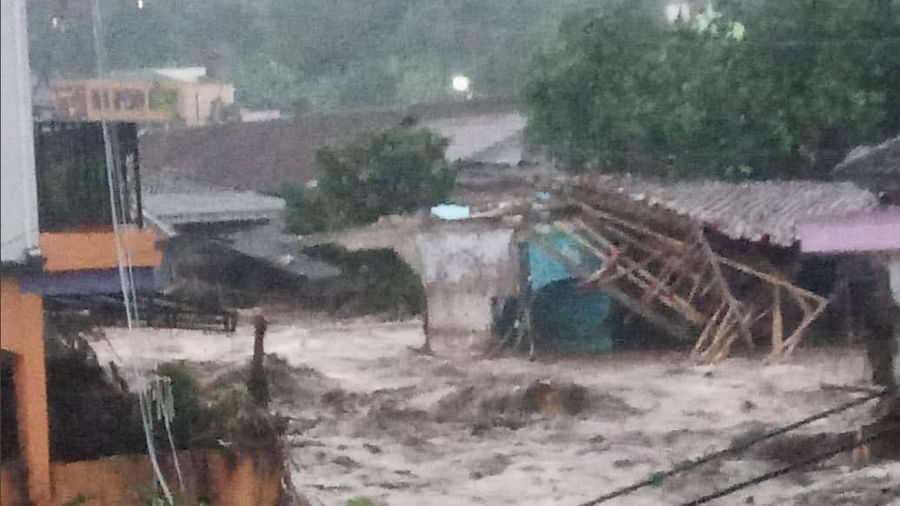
(196, 100)
(463, 270)
(18, 191)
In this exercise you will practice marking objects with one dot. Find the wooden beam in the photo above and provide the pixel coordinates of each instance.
(777, 321)
(634, 226)
(677, 331)
(725, 327)
(707, 330)
(664, 276)
(623, 298)
(634, 270)
(719, 279)
(791, 342)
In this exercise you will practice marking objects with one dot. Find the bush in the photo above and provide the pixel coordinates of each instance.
(379, 282)
(186, 401)
(378, 173)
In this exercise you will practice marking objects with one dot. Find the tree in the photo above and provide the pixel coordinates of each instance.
(777, 88)
(294, 54)
(378, 173)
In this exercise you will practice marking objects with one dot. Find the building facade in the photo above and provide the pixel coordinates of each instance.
(50, 248)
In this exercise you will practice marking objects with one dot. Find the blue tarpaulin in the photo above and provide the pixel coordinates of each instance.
(566, 318)
(450, 212)
(545, 269)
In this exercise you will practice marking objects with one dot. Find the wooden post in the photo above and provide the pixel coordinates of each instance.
(257, 384)
(523, 328)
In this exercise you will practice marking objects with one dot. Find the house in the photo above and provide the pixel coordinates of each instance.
(708, 262)
(180, 96)
(49, 248)
(58, 240)
(262, 156)
(874, 232)
(867, 245)
(233, 239)
(868, 240)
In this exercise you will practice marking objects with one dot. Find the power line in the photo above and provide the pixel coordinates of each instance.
(657, 478)
(786, 469)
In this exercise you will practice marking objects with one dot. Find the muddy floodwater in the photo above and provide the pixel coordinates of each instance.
(371, 417)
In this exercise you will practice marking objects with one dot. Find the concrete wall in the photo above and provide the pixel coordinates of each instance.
(22, 333)
(464, 269)
(464, 266)
(18, 190)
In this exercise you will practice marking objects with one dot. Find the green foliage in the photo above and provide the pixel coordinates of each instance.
(381, 281)
(307, 211)
(76, 501)
(299, 54)
(782, 89)
(231, 418)
(162, 98)
(378, 173)
(360, 501)
(186, 400)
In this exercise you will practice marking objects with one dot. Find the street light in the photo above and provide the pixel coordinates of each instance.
(460, 83)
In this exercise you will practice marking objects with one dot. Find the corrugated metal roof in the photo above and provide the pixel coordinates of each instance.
(754, 211)
(212, 206)
(268, 243)
(883, 159)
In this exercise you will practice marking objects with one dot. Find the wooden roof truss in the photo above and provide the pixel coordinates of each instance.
(686, 288)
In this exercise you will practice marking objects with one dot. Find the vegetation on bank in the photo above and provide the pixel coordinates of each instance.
(750, 90)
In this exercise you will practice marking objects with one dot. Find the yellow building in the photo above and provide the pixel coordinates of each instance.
(183, 96)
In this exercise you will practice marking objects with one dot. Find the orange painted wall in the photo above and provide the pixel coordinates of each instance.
(250, 479)
(240, 480)
(22, 332)
(72, 251)
(12, 486)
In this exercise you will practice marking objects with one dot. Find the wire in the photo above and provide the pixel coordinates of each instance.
(125, 278)
(656, 478)
(786, 469)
